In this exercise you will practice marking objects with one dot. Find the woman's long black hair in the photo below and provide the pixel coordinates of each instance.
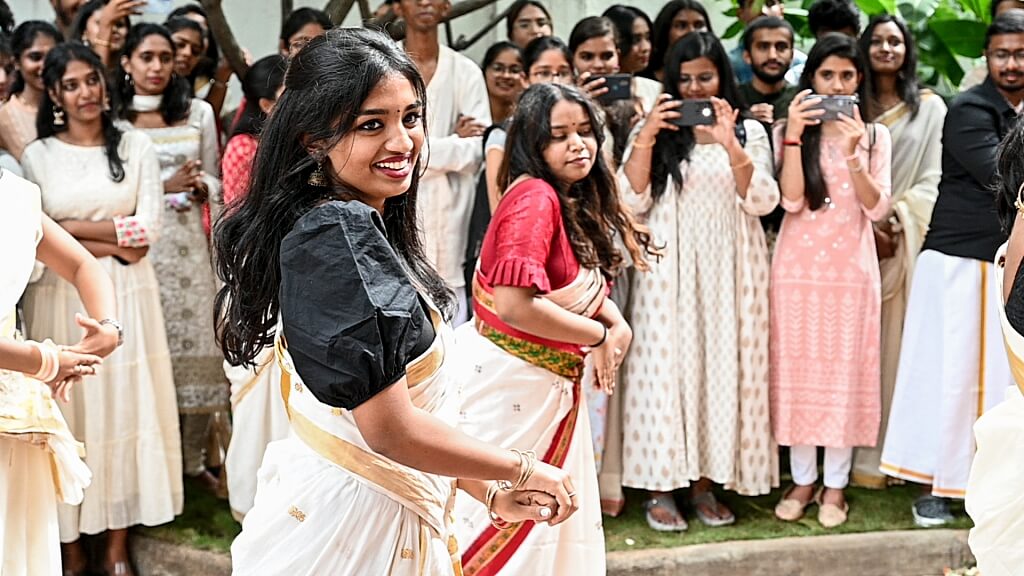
(54, 67)
(262, 80)
(1009, 175)
(177, 99)
(22, 39)
(663, 28)
(591, 209)
(842, 46)
(907, 85)
(326, 84)
(673, 147)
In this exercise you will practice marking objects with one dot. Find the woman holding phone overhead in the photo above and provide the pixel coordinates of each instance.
(701, 315)
(825, 288)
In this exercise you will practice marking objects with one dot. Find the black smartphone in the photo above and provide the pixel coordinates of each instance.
(695, 113)
(834, 106)
(620, 87)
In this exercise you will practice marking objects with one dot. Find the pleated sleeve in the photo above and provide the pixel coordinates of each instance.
(351, 315)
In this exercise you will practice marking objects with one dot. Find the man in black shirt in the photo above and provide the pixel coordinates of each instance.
(953, 365)
(768, 48)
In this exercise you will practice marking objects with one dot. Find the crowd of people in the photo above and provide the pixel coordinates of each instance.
(493, 296)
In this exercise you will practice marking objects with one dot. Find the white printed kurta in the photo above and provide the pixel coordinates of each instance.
(695, 399)
(183, 266)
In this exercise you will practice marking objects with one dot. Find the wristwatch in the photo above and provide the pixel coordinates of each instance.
(116, 325)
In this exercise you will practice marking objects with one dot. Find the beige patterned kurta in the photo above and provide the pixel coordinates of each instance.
(183, 266)
(696, 378)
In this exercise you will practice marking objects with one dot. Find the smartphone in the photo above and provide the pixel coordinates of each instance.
(158, 7)
(620, 87)
(834, 106)
(695, 113)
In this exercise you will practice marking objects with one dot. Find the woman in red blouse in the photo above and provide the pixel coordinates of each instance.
(262, 85)
(540, 308)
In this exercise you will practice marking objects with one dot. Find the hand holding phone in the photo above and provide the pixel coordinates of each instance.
(697, 112)
(833, 106)
(619, 87)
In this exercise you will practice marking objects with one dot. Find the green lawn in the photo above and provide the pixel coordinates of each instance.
(207, 523)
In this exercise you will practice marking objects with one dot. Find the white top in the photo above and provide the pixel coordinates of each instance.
(76, 184)
(21, 229)
(448, 187)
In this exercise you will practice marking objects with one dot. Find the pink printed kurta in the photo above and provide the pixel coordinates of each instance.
(826, 308)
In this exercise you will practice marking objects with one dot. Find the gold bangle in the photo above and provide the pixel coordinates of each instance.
(637, 144)
(743, 164)
(496, 520)
(99, 42)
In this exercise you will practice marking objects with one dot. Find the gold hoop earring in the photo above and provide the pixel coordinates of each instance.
(58, 116)
(1019, 203)
(317, 177)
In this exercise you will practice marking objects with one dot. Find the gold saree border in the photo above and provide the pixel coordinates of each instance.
(357, 461)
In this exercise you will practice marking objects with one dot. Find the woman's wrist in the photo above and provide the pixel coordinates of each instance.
(604, 337)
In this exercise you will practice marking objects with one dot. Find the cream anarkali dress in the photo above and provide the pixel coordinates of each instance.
(695, 390)
(995, 496)
(126, 415)
(41, 459)
(328, 504)
(916, 170)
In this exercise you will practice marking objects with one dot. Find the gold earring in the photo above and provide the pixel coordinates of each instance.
(58, 116)
(317, 177)
(1019, 204)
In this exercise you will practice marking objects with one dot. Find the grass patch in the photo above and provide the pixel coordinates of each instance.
(207, 524)
(870, 511)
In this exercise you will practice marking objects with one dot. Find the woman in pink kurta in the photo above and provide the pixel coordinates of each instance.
(825, 294)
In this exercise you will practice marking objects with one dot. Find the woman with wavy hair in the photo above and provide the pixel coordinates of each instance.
(155, 100)
(323, 260)
(914, 117)
(701, 316)
(539, 300)
(102, 186)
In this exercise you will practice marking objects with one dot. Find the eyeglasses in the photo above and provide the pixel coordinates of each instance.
(549, 75)
(1001, 57)
(502, 69)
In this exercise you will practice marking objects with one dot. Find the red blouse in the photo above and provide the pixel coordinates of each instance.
(527, 246)
(526, 243)
(236, 166)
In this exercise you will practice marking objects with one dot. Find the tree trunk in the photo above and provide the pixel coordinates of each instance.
(225, 37)
(337, 10)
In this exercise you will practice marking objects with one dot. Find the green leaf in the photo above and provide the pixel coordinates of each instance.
(962, 37)
(980, 8)
(875, 7)
(734, 30)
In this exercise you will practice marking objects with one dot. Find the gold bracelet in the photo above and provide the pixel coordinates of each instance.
(743, 164)
(637, 144)
(496, 520)
(99, 42)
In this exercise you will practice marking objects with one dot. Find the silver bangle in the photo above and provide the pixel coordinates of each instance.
(117, 326)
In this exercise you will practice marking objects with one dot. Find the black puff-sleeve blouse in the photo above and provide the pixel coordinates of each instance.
(351, 316)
